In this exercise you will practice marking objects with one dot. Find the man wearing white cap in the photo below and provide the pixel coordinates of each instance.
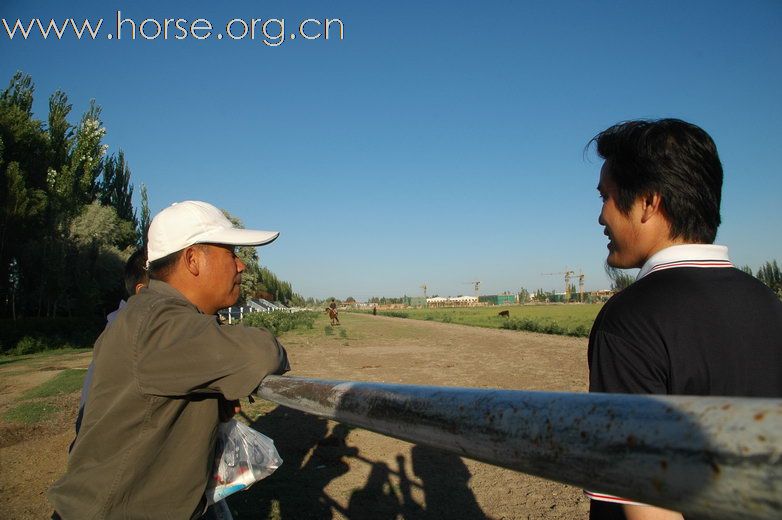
(163, 371)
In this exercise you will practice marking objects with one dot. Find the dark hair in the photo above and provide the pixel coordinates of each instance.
(136, 271)
(671, 157)
(161, 268)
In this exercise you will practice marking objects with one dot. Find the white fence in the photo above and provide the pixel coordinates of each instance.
(713, 457)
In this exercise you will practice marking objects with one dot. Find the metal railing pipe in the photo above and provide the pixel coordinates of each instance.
(713, 457)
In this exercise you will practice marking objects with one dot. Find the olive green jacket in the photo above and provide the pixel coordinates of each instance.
(146, 443)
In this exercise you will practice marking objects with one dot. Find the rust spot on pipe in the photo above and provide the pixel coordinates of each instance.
(762, 438)
(726, 406)
(759, 416)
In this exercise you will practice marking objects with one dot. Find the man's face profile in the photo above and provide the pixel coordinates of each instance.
(622, 230)
(222, 274)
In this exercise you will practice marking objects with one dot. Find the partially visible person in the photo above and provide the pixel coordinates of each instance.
(164, 369)
(135, 278)
(691, 324)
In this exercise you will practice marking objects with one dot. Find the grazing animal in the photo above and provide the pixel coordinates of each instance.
(333, 316)
(504, 314)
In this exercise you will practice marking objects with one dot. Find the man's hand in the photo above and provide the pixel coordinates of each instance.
(227, 409)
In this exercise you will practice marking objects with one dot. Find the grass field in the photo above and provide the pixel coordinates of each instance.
(331, 471)
(41, 403)
(565, 320)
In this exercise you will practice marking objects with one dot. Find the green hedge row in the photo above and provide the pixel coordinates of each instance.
(280, 321)
(551, 327)
(394, 314)
(30, 335)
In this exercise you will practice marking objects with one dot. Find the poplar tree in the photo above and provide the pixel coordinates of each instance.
(143, 223)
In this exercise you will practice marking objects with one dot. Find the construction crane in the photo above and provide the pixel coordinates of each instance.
(568, 274)
(476, 285)
(580, 286)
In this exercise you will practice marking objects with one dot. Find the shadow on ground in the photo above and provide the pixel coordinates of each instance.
(296, 490)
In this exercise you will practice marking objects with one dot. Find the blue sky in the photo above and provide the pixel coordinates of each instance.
(438, 142)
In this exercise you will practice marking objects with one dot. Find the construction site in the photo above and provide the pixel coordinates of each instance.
(572, 292)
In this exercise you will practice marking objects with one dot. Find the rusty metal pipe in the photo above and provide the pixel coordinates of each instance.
(714, 457)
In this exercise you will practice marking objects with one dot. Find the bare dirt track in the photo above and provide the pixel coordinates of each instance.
(334, 471)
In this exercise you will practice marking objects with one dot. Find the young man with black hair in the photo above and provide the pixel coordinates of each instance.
(691, 324)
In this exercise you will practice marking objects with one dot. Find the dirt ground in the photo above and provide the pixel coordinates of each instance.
(334, 471)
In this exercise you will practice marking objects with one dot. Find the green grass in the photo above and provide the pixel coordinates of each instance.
(6, 359)
(41, 402)
(65, 382)
(567, 320)
(31, 412)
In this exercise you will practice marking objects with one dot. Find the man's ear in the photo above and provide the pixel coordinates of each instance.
(651, 204)
(192, 259)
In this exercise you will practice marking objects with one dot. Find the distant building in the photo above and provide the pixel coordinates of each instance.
(499, 299)
(455, 301)
(263, 305)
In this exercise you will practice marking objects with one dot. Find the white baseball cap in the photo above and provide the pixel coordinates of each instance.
(194, 222)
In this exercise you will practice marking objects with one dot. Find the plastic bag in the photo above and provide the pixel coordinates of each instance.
(243, 456)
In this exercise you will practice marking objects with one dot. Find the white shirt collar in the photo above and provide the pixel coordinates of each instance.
(686, 255)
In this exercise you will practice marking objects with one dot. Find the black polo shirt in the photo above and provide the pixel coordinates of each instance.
(686, 331)
(689, 331)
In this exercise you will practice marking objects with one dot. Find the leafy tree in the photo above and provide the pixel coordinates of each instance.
(60, 131)
(87, 157)
(95, 276)
(747, 269)
(23, 169)
(48, 180)
(260, 282)
(143, 223)
(298, 300)
(770, 274)
(619, 279)
(117, 191)
(20, 93)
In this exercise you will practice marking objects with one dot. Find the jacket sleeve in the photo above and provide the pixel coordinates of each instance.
(180, 352)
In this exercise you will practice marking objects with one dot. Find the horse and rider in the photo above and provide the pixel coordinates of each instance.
(332, 312)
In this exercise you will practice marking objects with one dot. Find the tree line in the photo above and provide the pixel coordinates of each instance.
(67, 223)
(768, 273)
(260, 282)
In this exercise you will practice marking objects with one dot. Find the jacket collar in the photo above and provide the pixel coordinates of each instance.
(161, 287)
